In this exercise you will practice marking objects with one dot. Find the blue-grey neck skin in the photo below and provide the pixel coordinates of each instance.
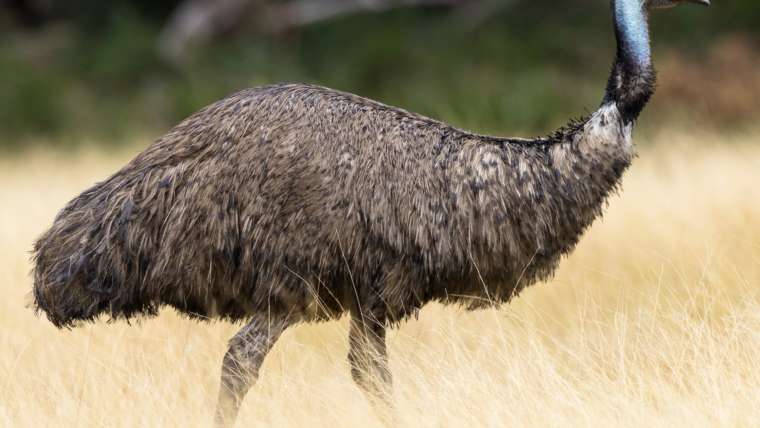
(632, 81)
(633, 33)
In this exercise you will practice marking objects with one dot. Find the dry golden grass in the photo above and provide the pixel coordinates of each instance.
(653, 321)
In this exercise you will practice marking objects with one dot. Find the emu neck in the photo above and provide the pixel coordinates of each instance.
(632, 81)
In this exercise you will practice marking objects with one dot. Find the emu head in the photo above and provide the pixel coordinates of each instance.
(666, 4)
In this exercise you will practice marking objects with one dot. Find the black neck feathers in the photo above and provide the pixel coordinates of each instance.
(632, 81)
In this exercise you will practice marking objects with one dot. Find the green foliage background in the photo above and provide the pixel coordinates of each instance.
(94, 74)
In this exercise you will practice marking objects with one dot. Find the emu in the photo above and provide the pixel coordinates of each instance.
(296, 203)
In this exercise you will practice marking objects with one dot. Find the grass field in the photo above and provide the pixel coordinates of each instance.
(653, 321)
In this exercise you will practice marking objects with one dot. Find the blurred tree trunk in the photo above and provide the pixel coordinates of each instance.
(198, 21)
(296, 13)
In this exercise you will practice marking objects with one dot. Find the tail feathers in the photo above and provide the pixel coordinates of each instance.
(72, 278)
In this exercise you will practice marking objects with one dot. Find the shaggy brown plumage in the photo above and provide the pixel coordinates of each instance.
(293, 203)
(288, 198)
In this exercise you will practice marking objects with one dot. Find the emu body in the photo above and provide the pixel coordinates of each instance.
(295, 203)
(293, 198)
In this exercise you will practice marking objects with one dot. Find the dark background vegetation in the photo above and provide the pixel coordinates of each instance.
(89, 70)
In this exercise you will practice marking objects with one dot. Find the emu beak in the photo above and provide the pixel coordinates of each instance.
(702, 2)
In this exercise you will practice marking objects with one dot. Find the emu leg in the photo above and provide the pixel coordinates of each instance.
(241, 364)
(369, 362)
